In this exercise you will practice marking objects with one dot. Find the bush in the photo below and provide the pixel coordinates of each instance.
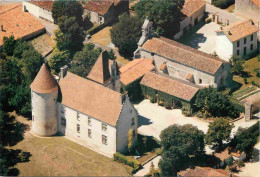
(240, 163)
(160, 103)
(152, 100)
(223, 3)
(125, 160)
(245, 80)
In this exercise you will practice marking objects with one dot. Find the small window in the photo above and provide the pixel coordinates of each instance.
(238, 43)
(244, 50)
(78, 128)
(104, 139)
(89, 121)
(152, 54)
(252, 47)
(63, 121)
(133, 121)
(237, 52)
(200, 81)
(104, 127)
(244, 40)
(89, 133)
(252, 37)
(78, 116)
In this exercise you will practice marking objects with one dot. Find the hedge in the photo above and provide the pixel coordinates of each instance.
(133, 89)
(127, 161)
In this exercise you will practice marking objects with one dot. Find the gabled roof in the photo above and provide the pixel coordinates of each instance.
(17, 23)
(47, 5)
(191, 6)
(44, 82)
(100, 7)
(135, 70)
(183, 54)
(172, 86)
(90, 98)
(239, 30)
(100, 71)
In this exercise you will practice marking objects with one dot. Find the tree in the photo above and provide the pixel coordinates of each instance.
(125, 34)
(9, 44)
(166, 15)
(218, 131)
(179, 143)
(130, 139)
(59, 59)
(63, 41)
(229, 161)
(236, 64)
(84, 60)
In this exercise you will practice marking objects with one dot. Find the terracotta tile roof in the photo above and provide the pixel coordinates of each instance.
(256, 2)
(135, 70)
(223, 155)
(100, 71)
(43, 4)
(183, 54)
(204, 171)
(171, 86)
(101, 7)
(191, 6)
(17, 23)
(239, 30)
(162, 67)
(44, 82)
(90, 98)
(189, 76)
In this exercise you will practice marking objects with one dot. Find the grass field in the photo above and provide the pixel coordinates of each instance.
(43, 44)
(102, 37)
(58, 156)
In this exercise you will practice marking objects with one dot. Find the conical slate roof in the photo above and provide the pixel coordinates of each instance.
(44, 82)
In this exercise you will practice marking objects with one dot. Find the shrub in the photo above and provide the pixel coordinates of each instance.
(160, 103)
(125, 160)
(199, 114)
(152, 100)
(245, 80)
(240, 163)
(223, 3)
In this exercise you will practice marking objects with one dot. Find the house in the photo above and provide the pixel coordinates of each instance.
(248, 9)
(40, 9)
(186, 63)
(21, 25)
(239, 39)
(204, 171)
(82, 110)
(194, 11)
(105, 12)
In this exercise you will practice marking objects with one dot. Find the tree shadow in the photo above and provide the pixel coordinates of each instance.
(245, 74)
(143, 121)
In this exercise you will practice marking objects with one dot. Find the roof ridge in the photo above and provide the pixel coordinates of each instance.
(15, 6)
(141, 60)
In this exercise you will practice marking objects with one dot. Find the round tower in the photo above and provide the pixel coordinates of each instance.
(44, 93)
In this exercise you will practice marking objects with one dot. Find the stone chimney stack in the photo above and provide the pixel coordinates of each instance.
(63, 71)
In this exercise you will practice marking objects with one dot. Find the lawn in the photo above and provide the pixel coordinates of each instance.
(102, 37)
(43, 44)
(249, 67)
(58, 156)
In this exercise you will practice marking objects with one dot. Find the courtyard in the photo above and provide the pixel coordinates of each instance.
(202, 37)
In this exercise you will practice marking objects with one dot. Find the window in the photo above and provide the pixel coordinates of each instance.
(78, 128)
(78, 116)
(252, 47)
(63, 121)
(200, 81)
(89, 121)
(104, 127)
(244, 40)
(152, 54)
(244, 50)
(133, 121)
(238, 43)
(237, 52)
(104, 139)
(252, 37)
(89, 133)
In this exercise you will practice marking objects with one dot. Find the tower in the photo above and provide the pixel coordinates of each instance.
(44, 93)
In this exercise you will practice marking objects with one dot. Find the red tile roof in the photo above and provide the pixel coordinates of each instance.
(183, 54)
(162, 67)
(43, 4)
(44, 82)
(256, 2)
(223, 155)
(90, 98)
(191, 6)
(17, 23)
(101, 7)
(171, 86)
(135, 70)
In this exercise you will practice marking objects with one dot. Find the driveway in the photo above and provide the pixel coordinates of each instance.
(204, 39)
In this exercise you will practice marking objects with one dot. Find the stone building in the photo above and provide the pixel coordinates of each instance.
(82, 110)
(239, 38)
(194, 10)
(186, 63)
(22, 25)
(40, 9)
(248, 9)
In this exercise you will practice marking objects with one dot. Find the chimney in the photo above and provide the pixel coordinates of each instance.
(2, 27)
(252, 23)
(63, 71)
(229, 32)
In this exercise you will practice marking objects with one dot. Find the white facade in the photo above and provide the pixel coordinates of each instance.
(37, 11)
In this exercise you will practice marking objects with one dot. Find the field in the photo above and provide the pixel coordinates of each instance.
(58, 156)
(43, 44)
(102, 37)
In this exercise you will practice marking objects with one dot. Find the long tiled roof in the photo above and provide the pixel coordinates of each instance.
(204, 171)
(16, 22)
(90, 98)
(256, 2)
(101, 7)
(183, 54)
(239, 30)
(135, 70)
(170, 86)
(43, 4)
(44, 82)
(191, 6)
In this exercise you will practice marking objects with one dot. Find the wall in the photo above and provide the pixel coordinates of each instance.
(124, 124)
(224, 47)
(95, 142)
(247, 9)
(44, 113)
